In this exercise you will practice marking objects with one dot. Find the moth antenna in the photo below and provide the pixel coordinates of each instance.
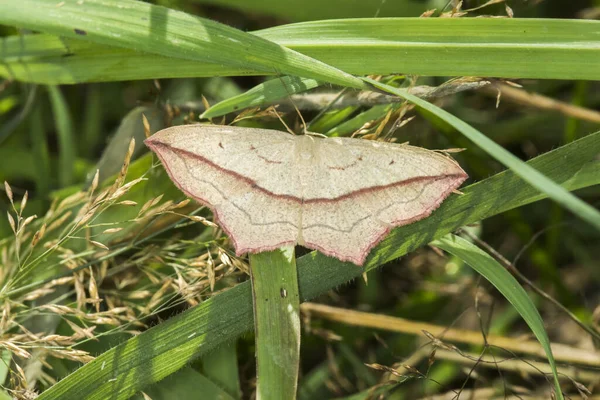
(304, 127)
(282, 121)
(316, 134)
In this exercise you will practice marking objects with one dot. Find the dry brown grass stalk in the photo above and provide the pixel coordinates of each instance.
(562, 353)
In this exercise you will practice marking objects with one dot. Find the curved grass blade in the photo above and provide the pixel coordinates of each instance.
(276, 323)
(506, 284)
(162, 350)
(265, 93)
(131, 127)
(39, 150)
(529, 174)
(186, 384)
(158, 30)
(48, 59)
(91, 128)
(66, 142)
(12, 124)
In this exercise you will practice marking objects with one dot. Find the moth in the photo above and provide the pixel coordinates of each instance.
(269, 189)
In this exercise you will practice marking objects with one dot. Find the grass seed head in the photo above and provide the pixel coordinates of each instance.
(100, 245)
(28, 220)
(149, 204)
(36, 294)
(24, 201)
(9, 192)
(11, 221)
(18, 351)
(93, 290)
(112, 230)
(39, 234)
(95, 181)
(80, 333)
(147, 131)
(127, 203)
(202, 220)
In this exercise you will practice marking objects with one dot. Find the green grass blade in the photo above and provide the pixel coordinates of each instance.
(186, 383)
(158, 30)
(276, 322)
(8, 127)
(131, 127)
(357, 122)
(529, 174)
(91, 131)
(221, 367)
(5, 360)
(506, 284)
(39, 149)
(313, 384)
(499, 47)
(329, 119)
(66, 141)
(143, 360)
(48, 59)
(512, 48)
(162, 350)
(265, 93)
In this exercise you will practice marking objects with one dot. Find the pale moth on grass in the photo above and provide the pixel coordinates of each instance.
(270, 189)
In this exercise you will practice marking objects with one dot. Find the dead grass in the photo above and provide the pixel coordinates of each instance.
(98, 277)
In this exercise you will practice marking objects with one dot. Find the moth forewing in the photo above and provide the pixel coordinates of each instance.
(340, 196)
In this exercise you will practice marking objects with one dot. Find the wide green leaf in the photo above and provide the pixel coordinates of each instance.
(499, 47)
(159, 30)
(511, 48)
(164, 349)
(264, 93)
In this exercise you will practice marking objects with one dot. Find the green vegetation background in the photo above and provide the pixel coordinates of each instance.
(138, 253)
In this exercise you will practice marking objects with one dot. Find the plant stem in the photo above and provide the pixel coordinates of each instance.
(276, 323)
